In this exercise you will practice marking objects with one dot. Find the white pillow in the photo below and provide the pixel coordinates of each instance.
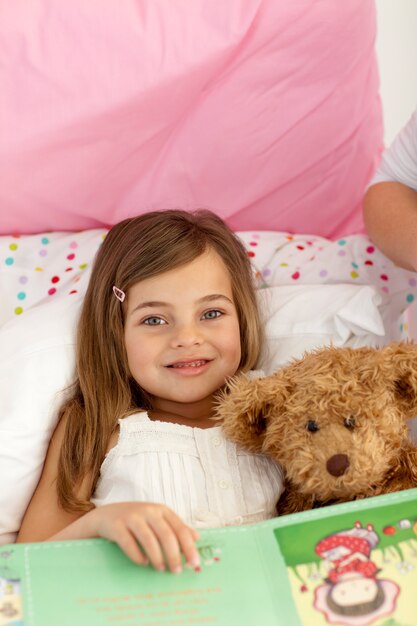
(36, 364)
(302, 317)
(37, 361)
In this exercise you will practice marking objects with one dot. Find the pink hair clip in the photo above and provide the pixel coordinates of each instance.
(120, 295)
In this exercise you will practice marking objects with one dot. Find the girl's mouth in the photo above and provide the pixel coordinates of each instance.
(183, 364)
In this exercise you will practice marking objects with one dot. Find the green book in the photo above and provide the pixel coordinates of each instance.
(352, 564)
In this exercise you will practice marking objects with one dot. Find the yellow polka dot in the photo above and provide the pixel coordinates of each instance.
(18, 310)
(283, 264)
(13, 246)
(406, 327)
(38, 269)
(354, 274)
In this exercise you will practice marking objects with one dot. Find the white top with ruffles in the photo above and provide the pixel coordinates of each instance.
(205, 478)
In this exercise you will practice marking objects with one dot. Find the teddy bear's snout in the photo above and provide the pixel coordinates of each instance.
(337, 464)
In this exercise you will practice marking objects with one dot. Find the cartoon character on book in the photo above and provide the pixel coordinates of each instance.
(353, 594)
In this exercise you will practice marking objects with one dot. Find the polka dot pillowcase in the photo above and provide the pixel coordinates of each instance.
(36, 269)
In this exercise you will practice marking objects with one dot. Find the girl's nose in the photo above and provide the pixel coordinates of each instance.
(187, 335)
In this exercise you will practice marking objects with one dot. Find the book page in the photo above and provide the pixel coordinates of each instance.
(355, 568)
(92, 583)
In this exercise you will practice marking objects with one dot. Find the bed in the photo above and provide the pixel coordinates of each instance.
(242, 107)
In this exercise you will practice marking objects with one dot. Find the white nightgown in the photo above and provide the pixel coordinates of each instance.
(206, 479)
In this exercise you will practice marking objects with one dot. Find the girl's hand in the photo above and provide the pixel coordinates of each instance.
(146, 532)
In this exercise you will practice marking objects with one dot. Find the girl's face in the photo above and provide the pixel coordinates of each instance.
(182, 335)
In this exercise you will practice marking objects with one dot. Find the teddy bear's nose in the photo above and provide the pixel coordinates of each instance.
(337, 464)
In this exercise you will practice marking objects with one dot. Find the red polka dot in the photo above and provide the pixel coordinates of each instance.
(384, 277)
(253, 243)
(251, 254)
(370, 249)
(296, 275)
(368, 262)
(51, 291)
(55, 279)
(300, 247)
(70, 257)
(69, 269)
(73, 291)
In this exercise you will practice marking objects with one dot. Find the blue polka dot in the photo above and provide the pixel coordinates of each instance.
(355, 265)
(9, 260)
(342, 242)
(21, 295)
(45, 240)
(410, 297)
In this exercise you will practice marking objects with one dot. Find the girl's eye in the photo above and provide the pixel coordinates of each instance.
(211, 315)
(154, 321)
(312, 426)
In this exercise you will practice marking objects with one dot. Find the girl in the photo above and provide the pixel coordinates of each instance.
(169, 315)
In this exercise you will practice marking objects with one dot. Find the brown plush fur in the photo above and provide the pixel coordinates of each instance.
(359, 400)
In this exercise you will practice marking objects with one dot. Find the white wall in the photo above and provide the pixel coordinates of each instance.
(397, 54)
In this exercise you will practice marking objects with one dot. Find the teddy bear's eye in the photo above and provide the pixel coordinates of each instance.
(312, 426)
(350, 422)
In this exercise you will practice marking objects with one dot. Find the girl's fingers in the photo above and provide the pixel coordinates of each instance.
(168, 541)
(145, 535)
(188, 547)
(128, 544)
(186, 538)
(148, 533)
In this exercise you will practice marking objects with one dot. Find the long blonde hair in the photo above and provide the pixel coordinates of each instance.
(104, 391)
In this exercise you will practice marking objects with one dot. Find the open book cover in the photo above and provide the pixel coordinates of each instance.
(352, 564)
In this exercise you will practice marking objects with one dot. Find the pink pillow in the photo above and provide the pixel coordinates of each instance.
(265, 110)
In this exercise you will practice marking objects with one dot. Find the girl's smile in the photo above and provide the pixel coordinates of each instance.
(191, 367)
(182, 336)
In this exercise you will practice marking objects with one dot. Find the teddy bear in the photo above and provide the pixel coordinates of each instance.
(335, 420)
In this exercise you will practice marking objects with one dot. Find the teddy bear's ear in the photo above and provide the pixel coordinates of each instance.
(246, 406)
(400, 365)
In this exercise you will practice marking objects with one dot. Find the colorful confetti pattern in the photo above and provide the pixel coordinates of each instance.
(35, 268)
